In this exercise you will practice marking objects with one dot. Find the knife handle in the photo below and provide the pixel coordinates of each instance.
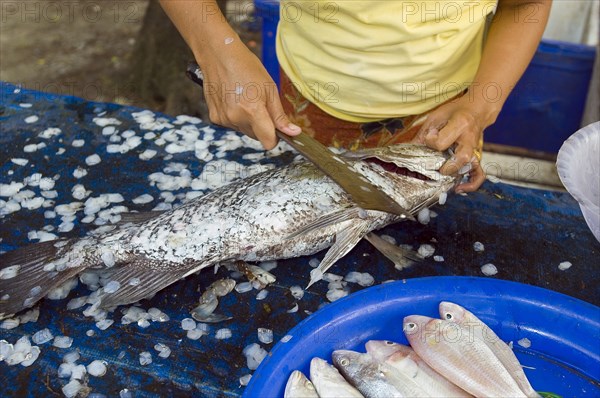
(195, 74)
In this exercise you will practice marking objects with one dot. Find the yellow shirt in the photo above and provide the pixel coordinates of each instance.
(370, 60)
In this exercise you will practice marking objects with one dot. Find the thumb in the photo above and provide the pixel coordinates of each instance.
(280, 120)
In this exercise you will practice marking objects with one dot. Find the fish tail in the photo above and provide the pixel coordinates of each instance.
(29, 273)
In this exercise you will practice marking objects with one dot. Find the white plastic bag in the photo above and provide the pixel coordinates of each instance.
(578, 165)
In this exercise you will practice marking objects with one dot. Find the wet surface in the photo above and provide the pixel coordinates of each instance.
(526, 234)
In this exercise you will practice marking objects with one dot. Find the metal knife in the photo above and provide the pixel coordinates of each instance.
(363, 193)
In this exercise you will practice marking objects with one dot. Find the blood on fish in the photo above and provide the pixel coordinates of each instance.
(393, 168)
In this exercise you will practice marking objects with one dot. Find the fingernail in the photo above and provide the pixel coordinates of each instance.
(294, 128)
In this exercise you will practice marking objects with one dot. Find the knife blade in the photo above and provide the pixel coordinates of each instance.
(364, 194)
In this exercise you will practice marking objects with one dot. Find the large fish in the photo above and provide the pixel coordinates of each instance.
(455, 313)
(281, 213)
(404, 359)
(467, 362)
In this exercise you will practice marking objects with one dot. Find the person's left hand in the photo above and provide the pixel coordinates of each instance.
(457, 123)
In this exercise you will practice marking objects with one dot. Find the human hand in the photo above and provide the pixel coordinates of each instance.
(241, 95)
(457, 123)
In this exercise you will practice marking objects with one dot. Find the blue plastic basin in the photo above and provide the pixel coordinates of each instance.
(564, 332)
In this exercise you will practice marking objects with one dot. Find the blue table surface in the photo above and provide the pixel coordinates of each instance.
(526, 233)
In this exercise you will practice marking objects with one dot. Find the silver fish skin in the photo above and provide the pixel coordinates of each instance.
(468, 363)
(373, 378)
(455, 313)
(281, 213)
(405, 360)
(298, 386)
(328, 381)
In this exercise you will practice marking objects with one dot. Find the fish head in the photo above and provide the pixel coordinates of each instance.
(418, 328)
(298, 382)
(343, 358)
(452, 312)
(383, 349)
(409, 173)
(422, 330)
(351, 364)
(319, 368)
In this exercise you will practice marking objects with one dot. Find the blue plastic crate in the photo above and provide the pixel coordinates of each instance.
(547, 104)
(268, 11)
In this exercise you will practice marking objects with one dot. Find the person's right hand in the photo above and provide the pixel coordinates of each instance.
(241, 95)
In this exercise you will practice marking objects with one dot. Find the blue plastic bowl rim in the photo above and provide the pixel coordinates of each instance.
(573, 305)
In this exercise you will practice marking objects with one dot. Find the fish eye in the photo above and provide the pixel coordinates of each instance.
(344, 362)
(410, 326)
(448, 316)
(389, 342)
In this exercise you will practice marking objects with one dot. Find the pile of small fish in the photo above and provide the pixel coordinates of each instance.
(456, 356)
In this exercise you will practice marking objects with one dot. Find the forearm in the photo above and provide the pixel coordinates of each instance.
(513, 37)
(202, 26)
(239, 92)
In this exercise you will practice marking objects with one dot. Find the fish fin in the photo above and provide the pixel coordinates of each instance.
(409, 366)
(326, 221)
(15, 292)
(150, 282)
(425, 203)
(345, 240)
(136, 218)
(402, 258)
(360, 154)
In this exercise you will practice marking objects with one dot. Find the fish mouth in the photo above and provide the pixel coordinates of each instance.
(399, 170)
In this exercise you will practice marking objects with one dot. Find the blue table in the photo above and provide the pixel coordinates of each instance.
(526, 234)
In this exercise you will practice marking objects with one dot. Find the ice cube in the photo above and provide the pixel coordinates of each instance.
(42, 336)
(223, 334)
(97, 368)
(71, 389)
(145, 358)
(62, 341)
(489, 269)
(297, 292)
(265, 336)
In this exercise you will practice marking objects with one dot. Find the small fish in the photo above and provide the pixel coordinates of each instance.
(469, 363)
(298, 386)
(455, 313)
(281, 213)
(406, 361)
(328, 381)
(373, 378)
